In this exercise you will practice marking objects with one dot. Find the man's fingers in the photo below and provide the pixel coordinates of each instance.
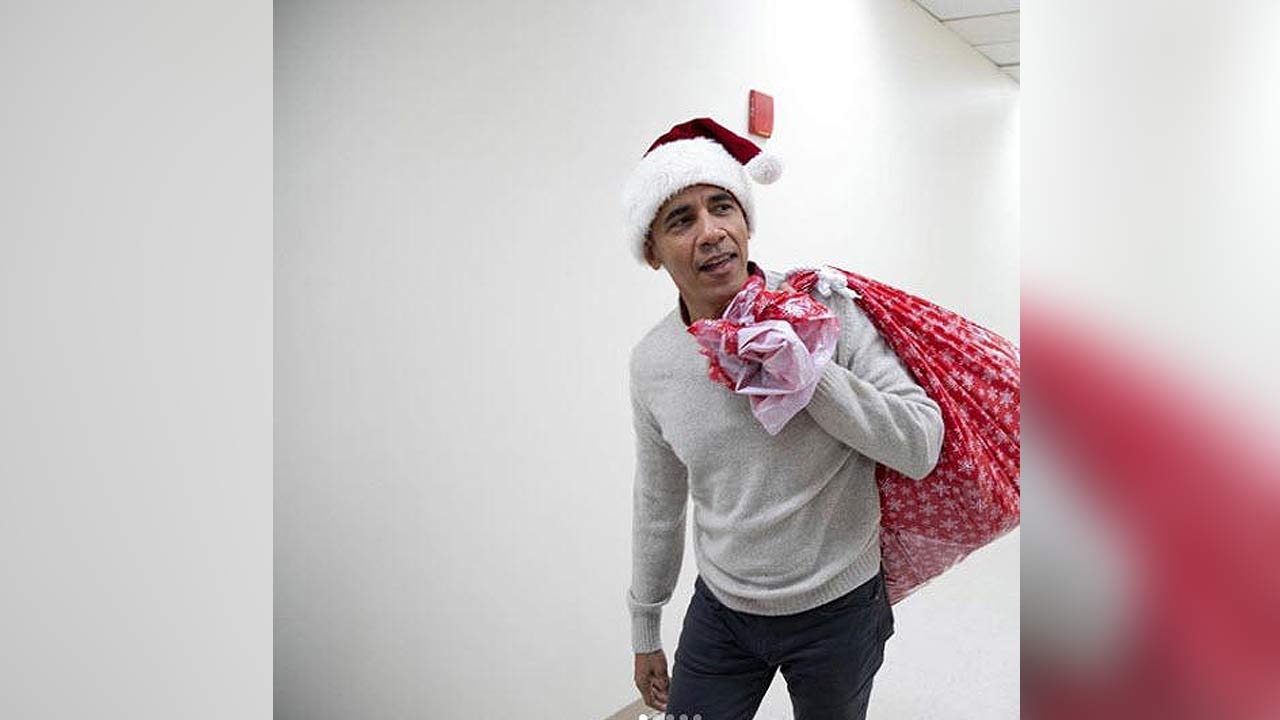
(661, 687)
(653, 680)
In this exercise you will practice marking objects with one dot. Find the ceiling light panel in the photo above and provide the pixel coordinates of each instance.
(986, 29)
(952, 9)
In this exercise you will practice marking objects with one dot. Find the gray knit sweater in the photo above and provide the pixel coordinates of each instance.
(783, 523)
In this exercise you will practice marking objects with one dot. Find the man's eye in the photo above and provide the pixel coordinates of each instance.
(725, 206)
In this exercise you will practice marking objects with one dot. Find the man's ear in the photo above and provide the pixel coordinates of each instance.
(648, 255)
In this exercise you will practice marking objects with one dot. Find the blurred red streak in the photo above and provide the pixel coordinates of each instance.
(1176, 470)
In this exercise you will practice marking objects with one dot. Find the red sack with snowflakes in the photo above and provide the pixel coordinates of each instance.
(972, 497)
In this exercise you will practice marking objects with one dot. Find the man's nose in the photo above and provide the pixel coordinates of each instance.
(712, 233)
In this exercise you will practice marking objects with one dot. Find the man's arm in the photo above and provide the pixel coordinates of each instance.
(658, 527)
(871, 403)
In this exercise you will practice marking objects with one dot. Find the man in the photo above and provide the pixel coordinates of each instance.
(786, 526)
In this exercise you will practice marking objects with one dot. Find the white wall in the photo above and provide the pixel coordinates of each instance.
(455, 306)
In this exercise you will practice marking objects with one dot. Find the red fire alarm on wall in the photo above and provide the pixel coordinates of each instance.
(760, 114)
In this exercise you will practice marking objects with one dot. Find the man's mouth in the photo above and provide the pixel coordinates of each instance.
(717, 262)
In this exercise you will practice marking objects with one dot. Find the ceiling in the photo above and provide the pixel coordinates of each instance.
(990, 26)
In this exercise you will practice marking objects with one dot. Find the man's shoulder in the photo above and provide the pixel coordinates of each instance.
(654, 345)
(856, 327)
(773, 278)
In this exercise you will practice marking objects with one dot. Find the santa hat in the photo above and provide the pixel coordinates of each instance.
(699, 151)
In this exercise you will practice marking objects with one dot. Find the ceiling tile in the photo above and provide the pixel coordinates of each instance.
(986, 30)
(949, 9)
(1000, 53)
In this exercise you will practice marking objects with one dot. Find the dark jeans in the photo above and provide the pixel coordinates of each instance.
(829, 655)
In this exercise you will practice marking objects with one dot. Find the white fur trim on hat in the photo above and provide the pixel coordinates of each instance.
(672, 167)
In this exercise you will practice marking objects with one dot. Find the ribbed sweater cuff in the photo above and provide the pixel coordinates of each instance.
(646, 632)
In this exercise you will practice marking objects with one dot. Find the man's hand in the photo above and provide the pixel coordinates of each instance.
(652, 680)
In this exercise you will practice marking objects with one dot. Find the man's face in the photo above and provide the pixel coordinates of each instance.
(698, 226)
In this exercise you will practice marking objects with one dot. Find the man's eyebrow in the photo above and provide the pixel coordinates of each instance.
(688, 207)
(677, 210)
